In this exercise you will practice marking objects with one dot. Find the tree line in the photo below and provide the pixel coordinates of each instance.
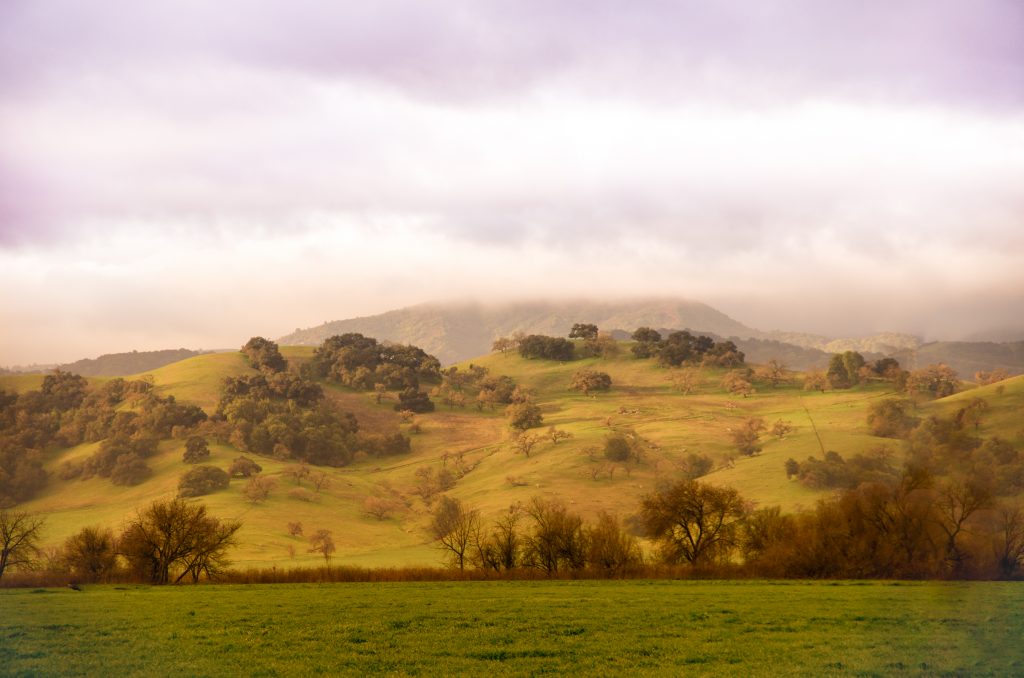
(171, 541)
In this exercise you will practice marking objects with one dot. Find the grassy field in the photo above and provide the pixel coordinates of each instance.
(518, 628)
(641, 398)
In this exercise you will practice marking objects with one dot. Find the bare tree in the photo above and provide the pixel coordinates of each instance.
(19, 540)
(322, 542)
(177, 538)
(456, 528)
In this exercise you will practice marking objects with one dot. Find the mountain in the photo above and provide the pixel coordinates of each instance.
(462, 331)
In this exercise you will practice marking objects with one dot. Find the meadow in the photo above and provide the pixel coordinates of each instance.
(518, 628)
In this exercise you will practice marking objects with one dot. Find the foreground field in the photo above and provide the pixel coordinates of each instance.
(518, 628)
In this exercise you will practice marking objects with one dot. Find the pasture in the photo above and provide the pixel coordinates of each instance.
(518, 628)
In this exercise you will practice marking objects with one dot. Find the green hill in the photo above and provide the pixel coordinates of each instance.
(642, 399)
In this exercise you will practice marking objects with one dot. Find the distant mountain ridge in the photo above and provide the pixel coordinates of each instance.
(459, 332)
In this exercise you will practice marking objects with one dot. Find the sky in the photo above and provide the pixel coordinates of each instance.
(193, 173)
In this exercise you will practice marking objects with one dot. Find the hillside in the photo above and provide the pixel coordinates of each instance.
(114, 364)
(671, 425)
(459, 332)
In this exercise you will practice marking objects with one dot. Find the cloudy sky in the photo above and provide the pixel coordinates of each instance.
(192, 173)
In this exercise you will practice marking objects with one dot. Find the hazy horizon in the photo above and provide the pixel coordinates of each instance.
(193, 174)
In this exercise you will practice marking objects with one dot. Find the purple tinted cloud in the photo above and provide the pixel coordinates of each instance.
(961, 53)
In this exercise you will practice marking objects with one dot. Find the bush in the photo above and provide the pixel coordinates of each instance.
(203, 480)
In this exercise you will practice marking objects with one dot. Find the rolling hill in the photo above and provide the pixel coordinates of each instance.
(493, 475)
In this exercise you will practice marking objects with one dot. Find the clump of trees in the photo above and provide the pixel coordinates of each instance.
(285, 414)
(474, 385)
(66, 411)
(836, 472)
(362, 362)
(683, 348)
(539, 346)
(543, 535)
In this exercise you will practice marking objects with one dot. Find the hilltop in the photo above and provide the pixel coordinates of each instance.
(478, 449)
(457, 332)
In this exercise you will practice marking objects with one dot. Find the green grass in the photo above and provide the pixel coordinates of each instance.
(518, 628)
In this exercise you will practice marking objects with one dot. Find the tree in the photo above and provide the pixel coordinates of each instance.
(196, 450)
(558, 540)
(837, 375)
(91, 554)
(202, 480)
(686, 380)
(380, 508)
(958, 500)
(522, 416)
(781, 429)
(548, 348)
(413, 400)
(456, 528)
(586, 381)
(773, 372)
(583, 331)
(244, 467)
(815, 380)
(170, 540)
(19, 540)
(557, 434)
(737, 382)
(257, 489)
(129, 469)
(525, 442)
(617, 447)
(646, 335)
(747, 436)
(693, 522)
(610, 549)
(889, 419)
(264, 355)
(937, 381)
(984, 378)
(322, 542)
(792, 468)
